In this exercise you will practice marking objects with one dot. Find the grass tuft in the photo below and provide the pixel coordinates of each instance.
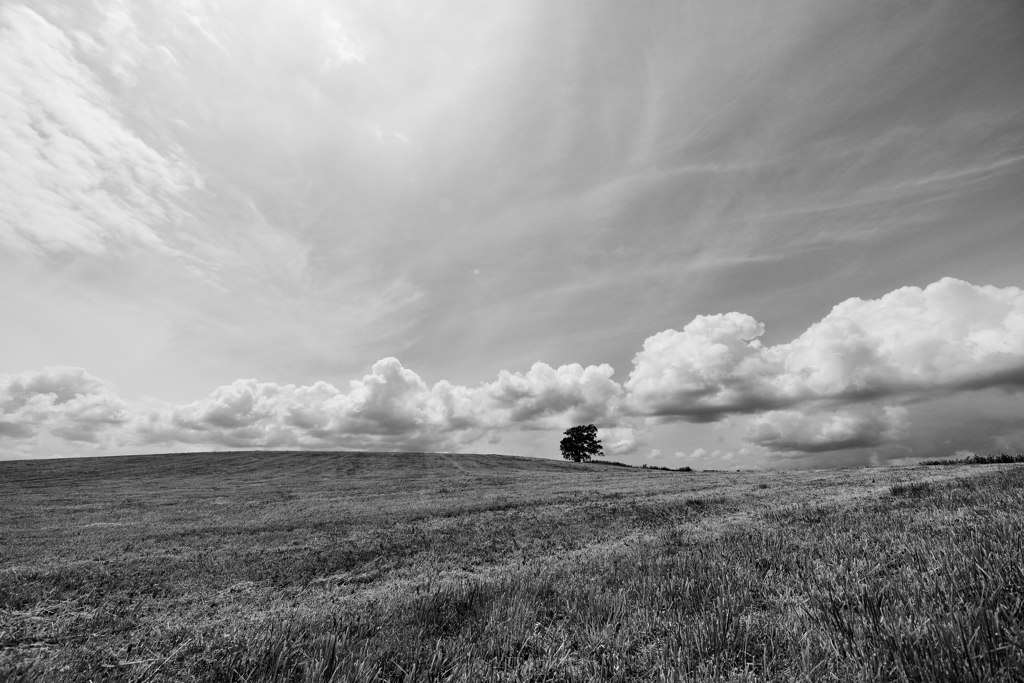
(915, 489)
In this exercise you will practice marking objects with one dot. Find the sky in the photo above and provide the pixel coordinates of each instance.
(730, 234)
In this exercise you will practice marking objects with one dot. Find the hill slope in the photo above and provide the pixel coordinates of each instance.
(356, 566)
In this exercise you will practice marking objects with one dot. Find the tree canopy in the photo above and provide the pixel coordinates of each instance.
(581, 443)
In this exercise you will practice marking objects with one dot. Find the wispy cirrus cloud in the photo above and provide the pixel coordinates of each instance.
(74, 176)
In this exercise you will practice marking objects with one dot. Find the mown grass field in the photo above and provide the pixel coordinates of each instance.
(393, 567)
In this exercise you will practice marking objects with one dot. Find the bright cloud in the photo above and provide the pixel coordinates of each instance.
(912, 342)
(854, 380)
(389, 408)
(710, 367)
(570, 392)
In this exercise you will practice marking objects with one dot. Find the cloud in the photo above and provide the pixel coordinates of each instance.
(856, 381)
(63, 401)
(547, 397)
(910, 344)
(389, 408)
(72, 174)
(817, 432)
(623, 440)
(949, 336)
(710, 367)
(116, 41)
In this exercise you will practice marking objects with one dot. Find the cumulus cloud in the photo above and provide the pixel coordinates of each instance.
(910, 343)
(857, 379)
(548, 397)
(709, 368)
(389, 408)
(73, 175)
(63, 401)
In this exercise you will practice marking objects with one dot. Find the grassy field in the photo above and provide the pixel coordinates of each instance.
(393, 567)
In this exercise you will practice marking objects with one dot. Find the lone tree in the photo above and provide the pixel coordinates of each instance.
(581, 443)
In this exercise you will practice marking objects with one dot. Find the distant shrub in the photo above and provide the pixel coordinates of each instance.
(615, 463)
(666, 469)
(998, 459)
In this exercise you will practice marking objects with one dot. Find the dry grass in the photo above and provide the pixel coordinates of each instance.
(317, 567)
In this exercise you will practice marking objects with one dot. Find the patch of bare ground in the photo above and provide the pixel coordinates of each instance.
(380, 567)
